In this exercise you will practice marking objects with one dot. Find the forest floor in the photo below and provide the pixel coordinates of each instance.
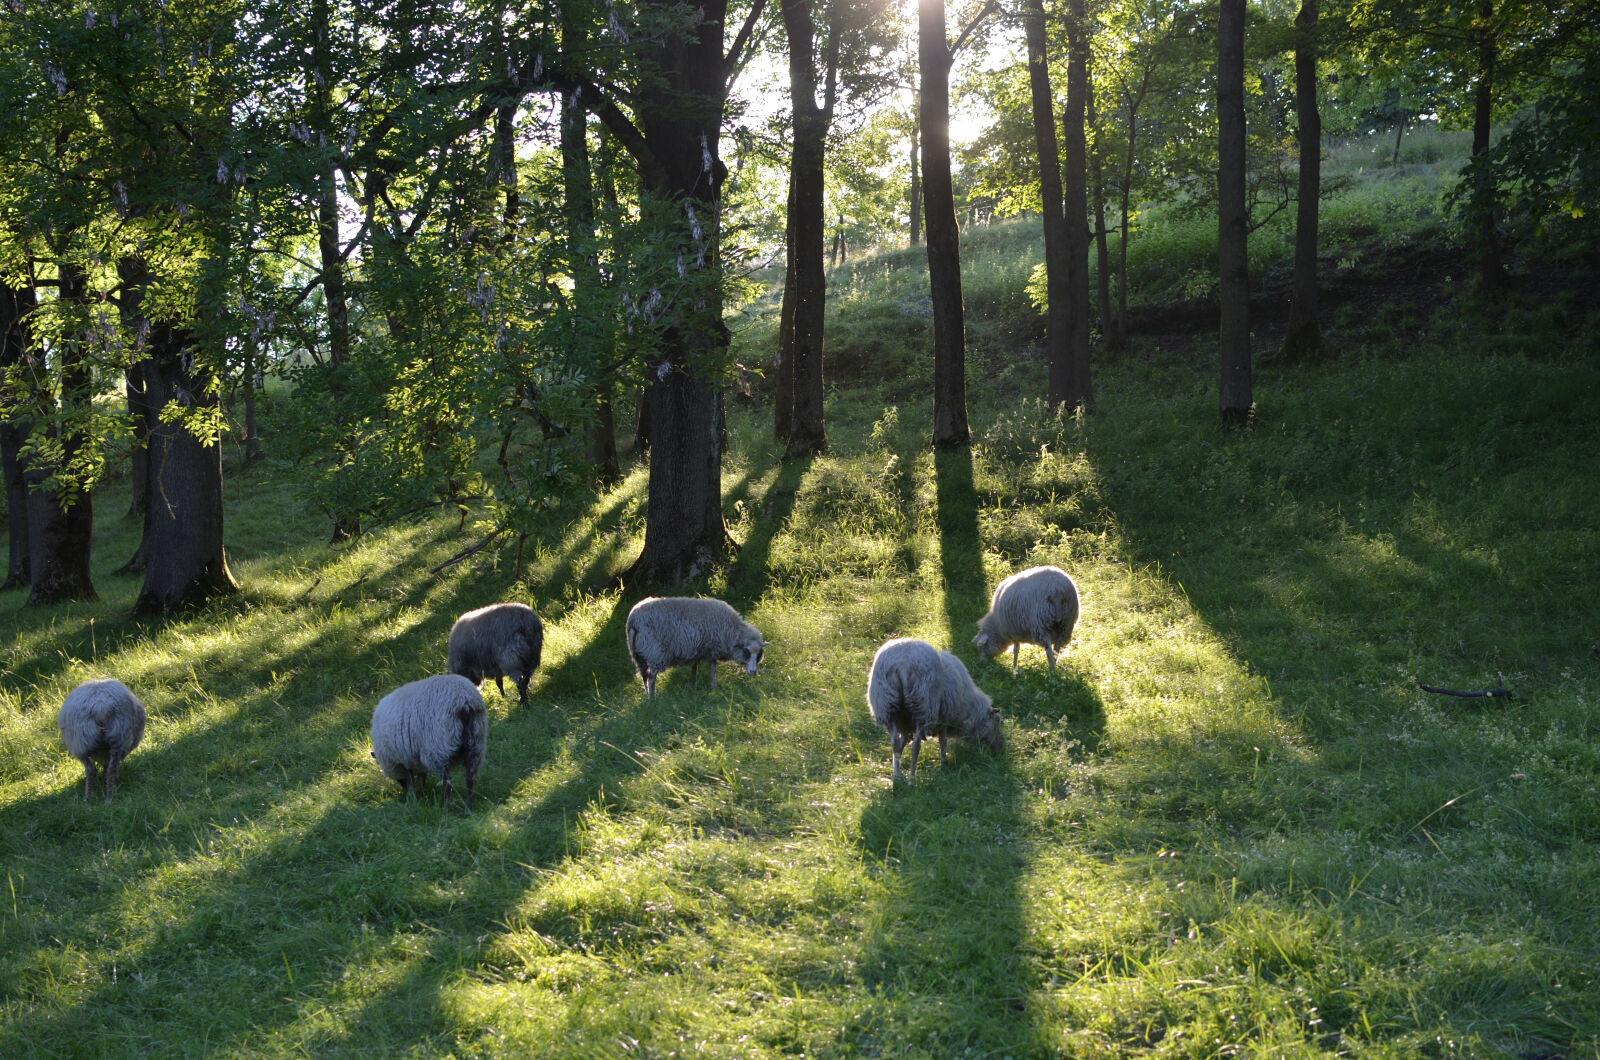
(1232, 823)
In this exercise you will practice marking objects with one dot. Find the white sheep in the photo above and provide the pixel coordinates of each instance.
(101, 721)
(1035, 606)
(430, 726)
(667, 631)
(915, 691)
(498, 641)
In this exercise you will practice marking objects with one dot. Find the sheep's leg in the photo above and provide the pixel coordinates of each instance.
(941, 749)
(897, 743)
(472, 776)
(1016, 650)
(88, 777)
(1050, 653)
(713, 665)
(650, 686)
(522, 688)
(916, 748)
(500, 683)
(112, 761)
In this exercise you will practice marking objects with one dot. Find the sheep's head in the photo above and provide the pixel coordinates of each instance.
(989, 643)
(988, 729)
(747, 653)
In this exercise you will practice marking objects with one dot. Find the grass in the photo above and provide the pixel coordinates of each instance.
(1232, 824)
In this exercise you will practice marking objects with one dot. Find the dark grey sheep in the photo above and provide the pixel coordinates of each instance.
(498, 641)
(431, 726)
(101, 721)
(915, 691)
(668, 631)
(1035, 606)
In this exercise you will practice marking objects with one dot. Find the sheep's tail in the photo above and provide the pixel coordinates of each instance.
(472, 730)
(888, 699)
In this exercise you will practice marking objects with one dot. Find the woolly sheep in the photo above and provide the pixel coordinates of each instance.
(1035, 606)
(915, 691)
(430, 726)
(669, 631)
(101, 721)
(498, 641)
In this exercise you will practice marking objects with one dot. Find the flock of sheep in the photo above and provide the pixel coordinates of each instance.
(437, 723)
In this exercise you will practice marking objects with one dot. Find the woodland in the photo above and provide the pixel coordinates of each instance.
(1273, 324)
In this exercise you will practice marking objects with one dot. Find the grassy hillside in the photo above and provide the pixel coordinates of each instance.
(1232, 823)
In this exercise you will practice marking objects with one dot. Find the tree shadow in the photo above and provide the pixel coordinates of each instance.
(944, 957)
(750, 575)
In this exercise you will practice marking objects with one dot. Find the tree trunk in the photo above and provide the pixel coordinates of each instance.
(916, 172)
(61, 518)
(1058, 352)
(184, 561)
(680, 122)
(808, 235)
(15, 305)
(944, 235)
(1483, 189)
(577, 177)
(1079, 392)
(1303, 342)
(783, 360)
(1102, 255)
(1234, 396)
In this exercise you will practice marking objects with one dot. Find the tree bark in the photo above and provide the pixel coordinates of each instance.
(61, 518)
(15, 305)
(944, 235)
(1303, 342)
(1058, 351)
(1234, 396)
(1079, 393)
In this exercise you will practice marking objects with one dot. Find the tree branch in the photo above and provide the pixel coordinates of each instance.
(1499, 692)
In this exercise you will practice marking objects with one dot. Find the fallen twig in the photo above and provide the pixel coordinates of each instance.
(1499, 692)
(464, 553)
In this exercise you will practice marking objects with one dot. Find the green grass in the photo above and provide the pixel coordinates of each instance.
(1231, 825)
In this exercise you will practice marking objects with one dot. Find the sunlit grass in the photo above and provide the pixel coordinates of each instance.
(1230, 825)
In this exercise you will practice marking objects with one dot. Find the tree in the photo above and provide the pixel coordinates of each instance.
(935, 55)
(1303, 341)
(1057, 246)
(1233, 217)
(1076, 390)
(804, 283)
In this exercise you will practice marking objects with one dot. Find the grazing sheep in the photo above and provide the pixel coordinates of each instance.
(667, 631)
(498, 641)
(1035, 606)
(429, 726)
(915, 691)
(101, 721)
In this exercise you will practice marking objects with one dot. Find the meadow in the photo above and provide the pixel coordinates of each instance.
(1231, 824)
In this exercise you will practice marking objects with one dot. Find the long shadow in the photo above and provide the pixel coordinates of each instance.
(946, 950)
(750, 577)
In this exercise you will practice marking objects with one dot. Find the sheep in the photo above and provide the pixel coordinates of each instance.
(915, 691)
(498, 641)
(101, 721)
(669, 631)
(1035, 606)
(429, 726)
